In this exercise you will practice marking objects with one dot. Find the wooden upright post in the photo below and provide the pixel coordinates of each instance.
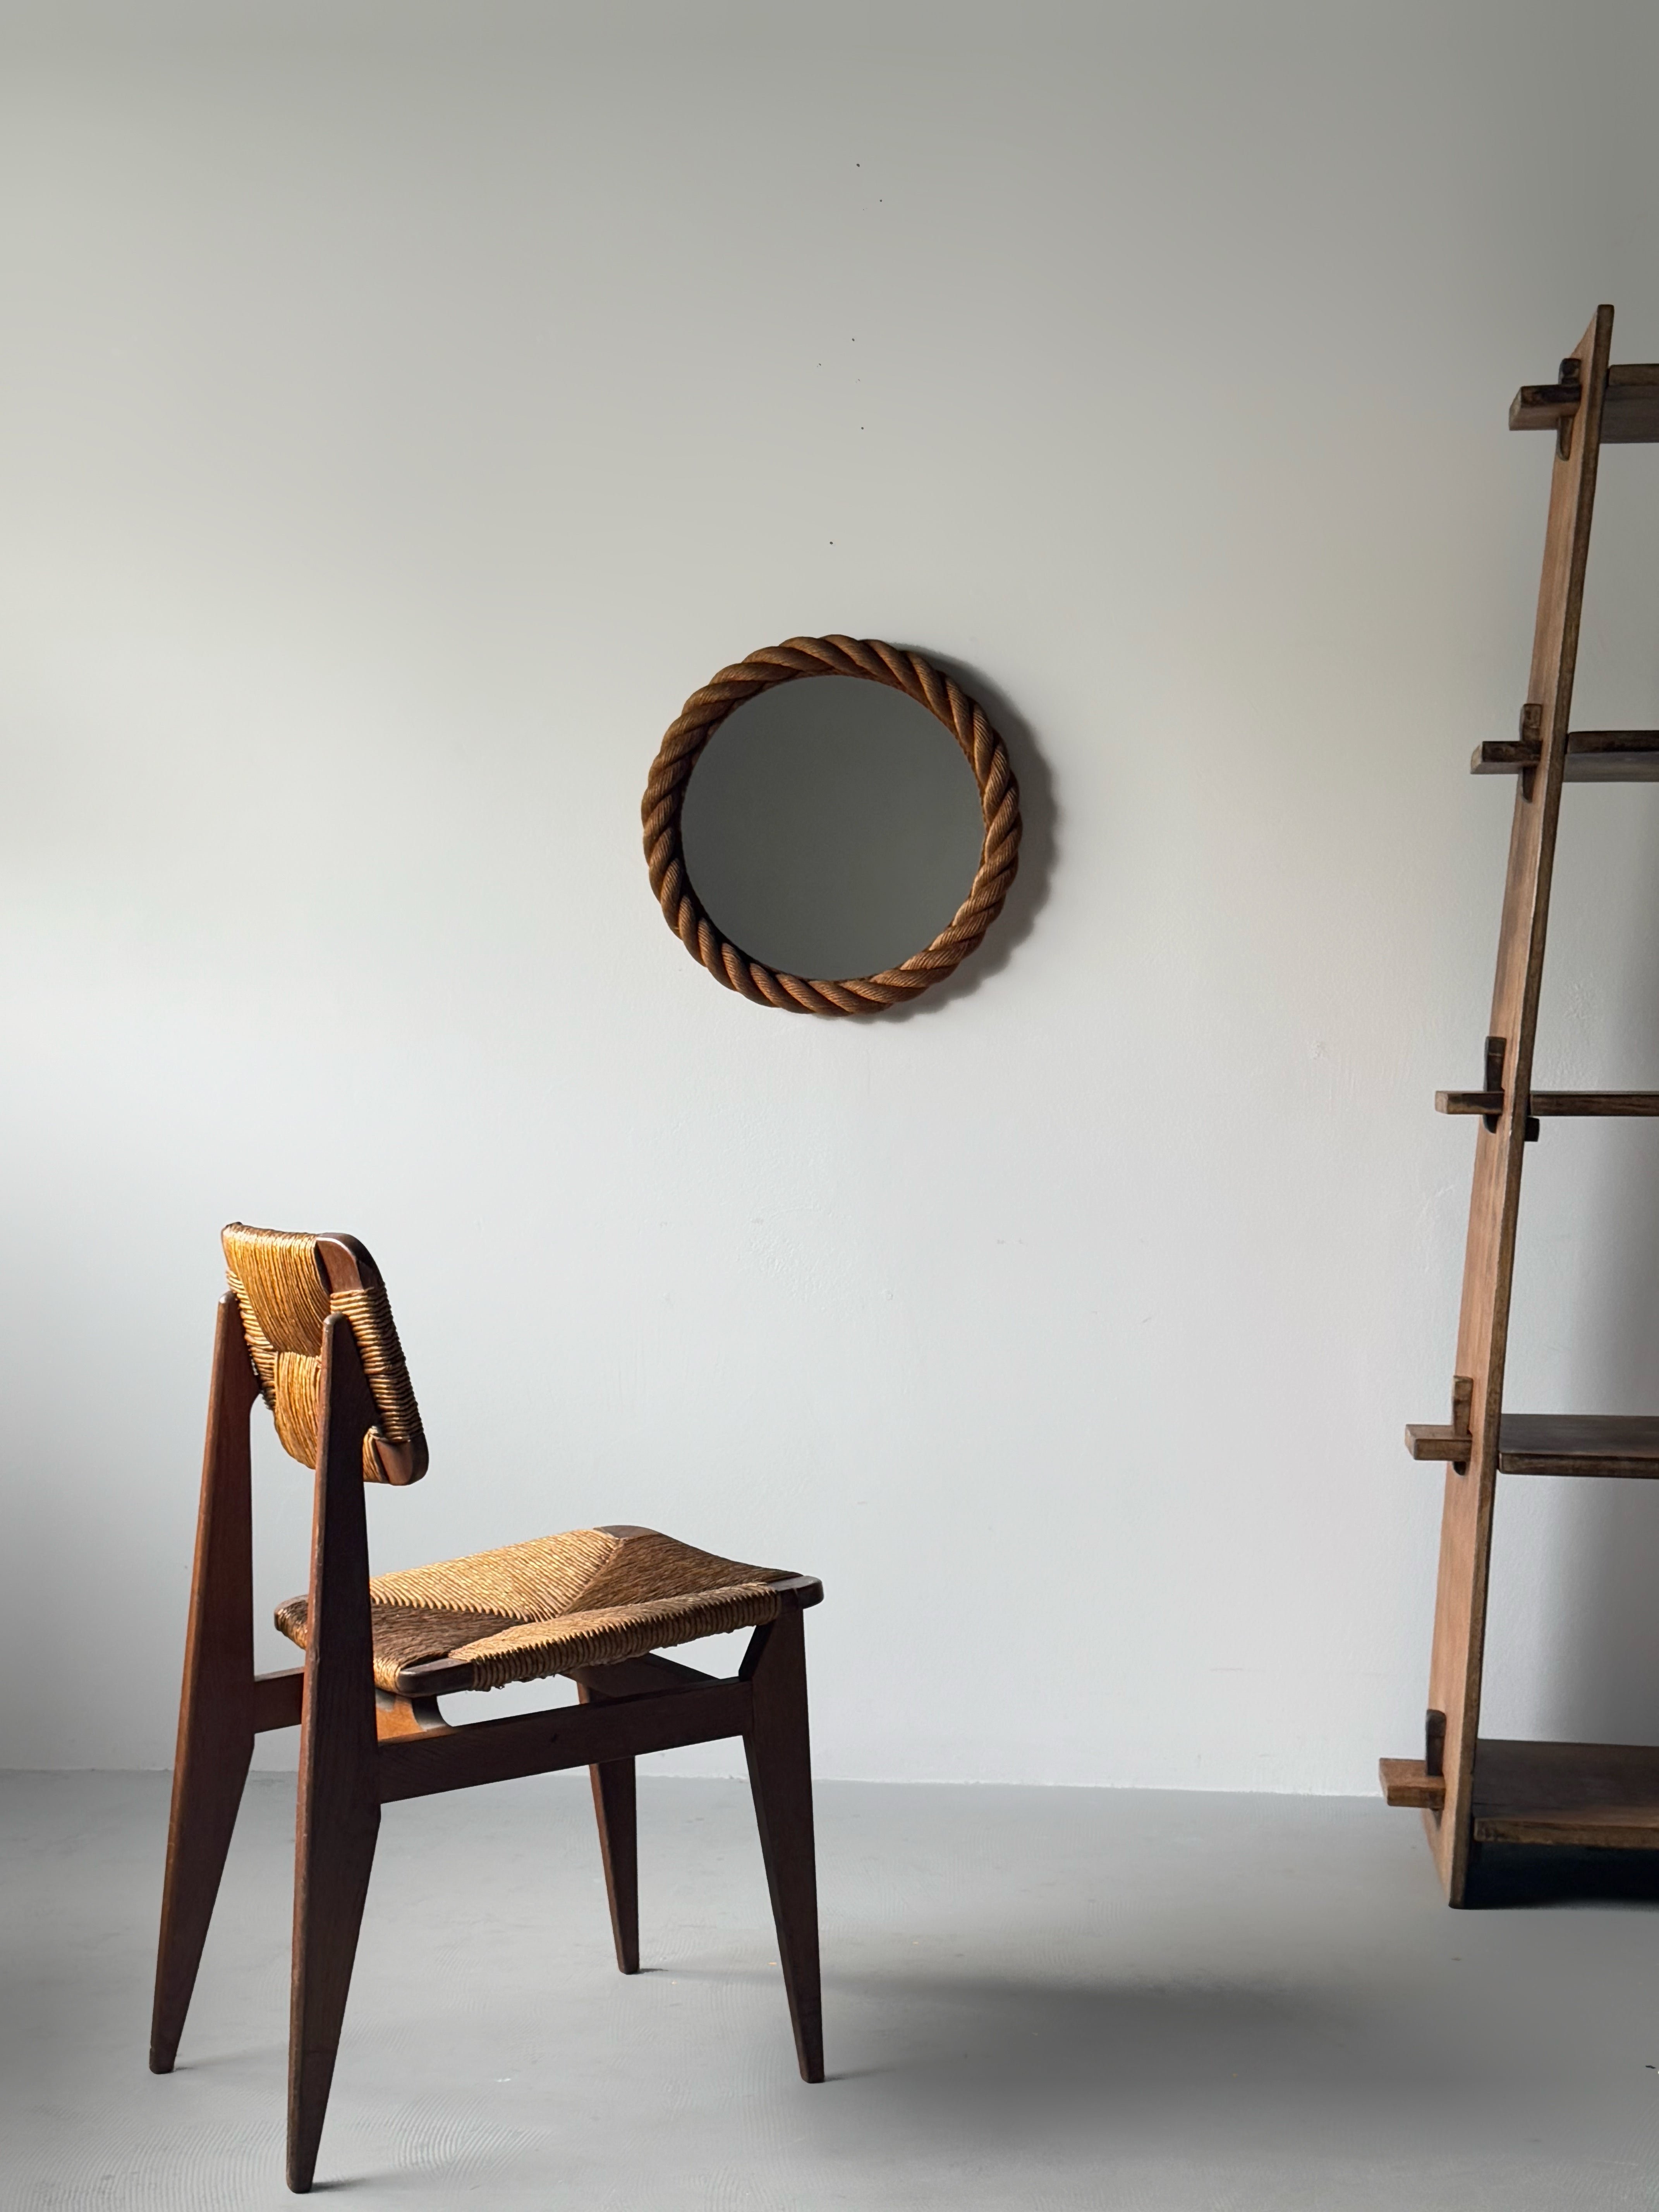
(1460, 1620)
(1476, 1790)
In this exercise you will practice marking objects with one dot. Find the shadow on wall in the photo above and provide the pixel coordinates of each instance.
(1606, 1637)
(832, 829)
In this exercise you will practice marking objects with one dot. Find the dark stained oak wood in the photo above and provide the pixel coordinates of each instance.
(217, 1707)
(780, 1778)
(1549, 1105)
(1630, 405)
(543, 1743)
(1592, 756)
(1457, 1654)
(339, 1808)
(1630, 412)
(279, 1699)
(1579, 1443)
(647, 1677)
(1625, 1444)
(1586, 1795)
(1591, 1105)
(616, 1810)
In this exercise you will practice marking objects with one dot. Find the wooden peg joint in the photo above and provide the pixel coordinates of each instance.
(1419, 1783)
(1407, 1782)
(1552, 406)
(1630, 407)
(1489, 1102)
(1434, 1742)
(1453, 1440)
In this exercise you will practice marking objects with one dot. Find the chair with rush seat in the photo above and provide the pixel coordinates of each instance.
(306, 1324)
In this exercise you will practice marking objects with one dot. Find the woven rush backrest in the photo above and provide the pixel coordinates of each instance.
(282, 1278)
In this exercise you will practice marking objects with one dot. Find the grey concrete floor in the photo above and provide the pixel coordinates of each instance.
(1033, 1998)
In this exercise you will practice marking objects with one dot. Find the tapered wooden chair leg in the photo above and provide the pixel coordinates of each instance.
(207, 1791)
(339, 1807)
(215, 1711)
(615, 1808)
(335, 1860)
(780, 1777)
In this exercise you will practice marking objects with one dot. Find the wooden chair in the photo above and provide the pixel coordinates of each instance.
(306, 1324)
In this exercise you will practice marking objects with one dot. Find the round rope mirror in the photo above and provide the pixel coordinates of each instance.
(683, 745)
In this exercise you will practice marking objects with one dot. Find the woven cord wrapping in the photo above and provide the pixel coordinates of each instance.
(703, 714)
(285, 1301)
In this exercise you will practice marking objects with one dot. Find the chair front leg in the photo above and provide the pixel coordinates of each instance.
(616, 1810)
(781, 1778)
(340, 1805)
(215, 1707)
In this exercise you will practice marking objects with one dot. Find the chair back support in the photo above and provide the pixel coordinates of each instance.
(287, 1284)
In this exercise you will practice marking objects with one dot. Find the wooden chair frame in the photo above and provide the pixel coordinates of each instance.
(361, 1747)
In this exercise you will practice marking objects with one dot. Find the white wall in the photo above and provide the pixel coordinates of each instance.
(407, 406)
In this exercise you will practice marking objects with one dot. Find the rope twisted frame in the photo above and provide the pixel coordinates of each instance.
(876, 663)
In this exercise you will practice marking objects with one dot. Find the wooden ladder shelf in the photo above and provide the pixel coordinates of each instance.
(1473, 1791)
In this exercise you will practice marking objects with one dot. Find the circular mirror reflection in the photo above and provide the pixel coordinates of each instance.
(831, 827)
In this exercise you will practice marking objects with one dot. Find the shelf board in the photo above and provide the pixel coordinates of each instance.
(1625, 1444)
(1579, 1443)
(1630, 412)
(1586, 1795)
(1592, 756)
(1630, 407)
(1550, 1104)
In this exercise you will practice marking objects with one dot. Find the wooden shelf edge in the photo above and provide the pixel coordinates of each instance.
(1561, 1832)
(1592, 756)
(1630, 407)
(1551, 1105)
(1620, 1445)
(1575, 1466)
(1586, 1796)
(1407, 1782)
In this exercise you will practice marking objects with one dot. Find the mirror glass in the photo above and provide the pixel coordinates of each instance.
(831, 827)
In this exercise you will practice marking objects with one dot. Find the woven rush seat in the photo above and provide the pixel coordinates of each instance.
(586, 1598)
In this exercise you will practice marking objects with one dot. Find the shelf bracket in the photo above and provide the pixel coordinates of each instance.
(1434, 1440)
(1545, 406)
(1488, 1101)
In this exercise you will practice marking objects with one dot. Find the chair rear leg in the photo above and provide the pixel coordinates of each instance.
(615, 1808)
(215, 1709)
(207, 1791)
(780, 1777)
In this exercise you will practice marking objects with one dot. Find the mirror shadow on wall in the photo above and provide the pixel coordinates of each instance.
(832, 828)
